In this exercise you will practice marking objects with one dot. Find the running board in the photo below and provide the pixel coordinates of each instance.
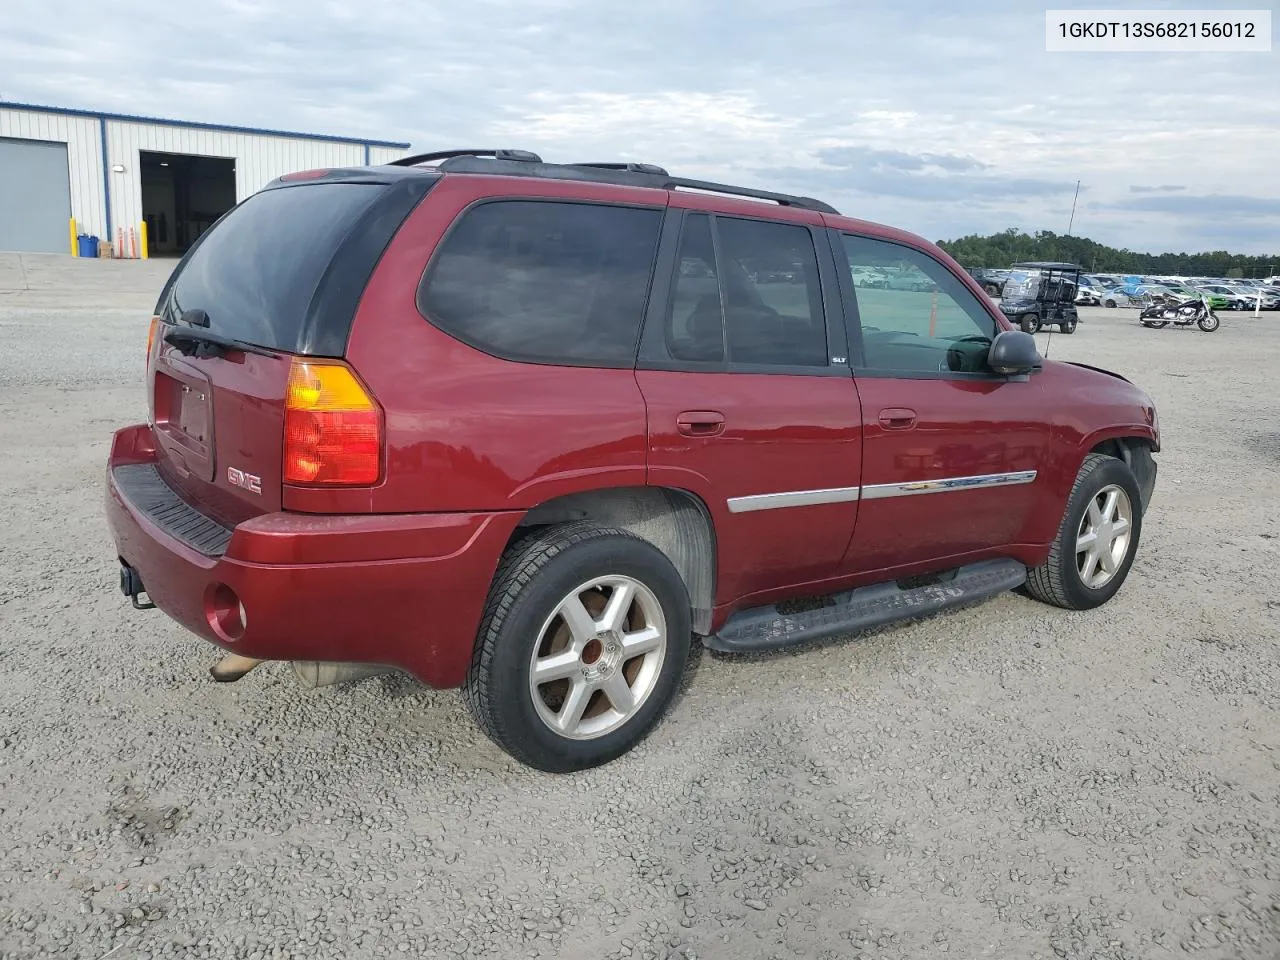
(767, 628)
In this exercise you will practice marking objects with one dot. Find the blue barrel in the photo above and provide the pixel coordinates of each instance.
(88, 246)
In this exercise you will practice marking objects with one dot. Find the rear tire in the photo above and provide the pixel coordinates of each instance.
(1030, 323)
(1082, 573)
(604, 618)
(1068, 326)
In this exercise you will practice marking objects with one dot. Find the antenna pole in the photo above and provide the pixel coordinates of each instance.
(1072, 221)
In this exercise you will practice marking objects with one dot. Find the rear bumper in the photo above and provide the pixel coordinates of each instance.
(406, 591)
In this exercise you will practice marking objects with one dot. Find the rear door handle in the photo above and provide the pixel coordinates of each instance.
(897, 418)
(700, 423)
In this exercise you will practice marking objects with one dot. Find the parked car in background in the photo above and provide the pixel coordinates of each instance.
(1224, 297)
(1270, 299)
(867, 277)
(477, 418)
(1220, 301)
(991, 281)
(1088, 295)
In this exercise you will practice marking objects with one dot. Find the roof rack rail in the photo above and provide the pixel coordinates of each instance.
(622, 174)
(629, 167)
(782, 199)
(524, 156)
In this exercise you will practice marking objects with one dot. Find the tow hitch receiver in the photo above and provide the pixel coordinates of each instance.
(131, 586)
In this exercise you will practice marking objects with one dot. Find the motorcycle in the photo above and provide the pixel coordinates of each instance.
(1181, 313)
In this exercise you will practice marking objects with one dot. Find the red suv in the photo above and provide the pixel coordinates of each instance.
(526, 428)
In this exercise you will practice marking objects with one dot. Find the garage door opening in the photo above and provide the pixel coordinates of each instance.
(182, 195)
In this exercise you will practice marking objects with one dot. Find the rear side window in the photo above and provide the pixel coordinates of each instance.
(255, 273)
(771, 311)
(545, 281)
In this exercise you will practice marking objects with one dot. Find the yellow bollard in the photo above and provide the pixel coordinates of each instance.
(142, 239)
(75, 244)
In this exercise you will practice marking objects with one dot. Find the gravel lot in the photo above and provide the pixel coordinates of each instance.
(1009, 781)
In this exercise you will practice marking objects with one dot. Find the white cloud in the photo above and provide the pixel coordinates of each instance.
(743, 90)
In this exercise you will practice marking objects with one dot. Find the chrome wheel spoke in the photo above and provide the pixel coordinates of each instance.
(574, 613)
(1090, 566)
(619, 693)
(1095, 512)
(1086, 541)
(558, 666)
(619, 605)
(1107, 560)
(1120, 527)
(642, 641)
(575, 704)
(1109, 501)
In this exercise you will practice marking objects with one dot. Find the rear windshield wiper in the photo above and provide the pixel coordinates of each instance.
(192, 340)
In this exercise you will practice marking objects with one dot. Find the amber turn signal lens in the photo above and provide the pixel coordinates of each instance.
(151, 335)
(332, 427)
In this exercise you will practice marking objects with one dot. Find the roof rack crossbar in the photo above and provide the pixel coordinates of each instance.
(524, 156)
(620, 174)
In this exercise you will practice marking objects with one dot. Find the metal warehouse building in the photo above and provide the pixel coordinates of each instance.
(111, 172)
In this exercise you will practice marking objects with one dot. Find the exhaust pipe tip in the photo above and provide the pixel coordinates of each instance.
(232, 667)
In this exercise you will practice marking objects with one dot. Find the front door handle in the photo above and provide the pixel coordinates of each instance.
(897, 418)
(700, 423)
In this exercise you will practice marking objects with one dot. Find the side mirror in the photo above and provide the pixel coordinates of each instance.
(1013, 352)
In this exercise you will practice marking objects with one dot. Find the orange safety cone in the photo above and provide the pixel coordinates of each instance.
(133, 244)
(119, 242)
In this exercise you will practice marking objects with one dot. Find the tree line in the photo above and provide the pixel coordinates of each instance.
(1012, 245)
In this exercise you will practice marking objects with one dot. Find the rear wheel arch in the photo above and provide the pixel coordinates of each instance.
(674, 521)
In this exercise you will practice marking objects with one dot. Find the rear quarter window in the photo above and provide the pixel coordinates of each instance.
(255, 273)
(545, 281)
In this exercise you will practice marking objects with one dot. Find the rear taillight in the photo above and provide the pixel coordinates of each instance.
(332, 427)
(151, 335)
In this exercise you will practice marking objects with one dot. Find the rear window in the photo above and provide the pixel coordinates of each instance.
(255, 273)
(545, 281)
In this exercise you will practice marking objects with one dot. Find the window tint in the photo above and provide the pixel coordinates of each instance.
(695, 328)
(917, 317)
(545, 281)
(256, 271)
(773, 300)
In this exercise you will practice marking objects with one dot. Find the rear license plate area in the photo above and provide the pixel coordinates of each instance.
(184, 420)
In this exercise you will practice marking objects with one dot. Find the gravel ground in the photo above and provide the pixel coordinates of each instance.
(1008, 781)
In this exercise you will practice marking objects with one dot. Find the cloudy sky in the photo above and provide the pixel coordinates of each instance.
(942, 117)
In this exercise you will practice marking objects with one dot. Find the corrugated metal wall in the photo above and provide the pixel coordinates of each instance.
(385, 154)
(259, 158)
(84, 157)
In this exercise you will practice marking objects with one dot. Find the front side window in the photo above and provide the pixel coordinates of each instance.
(923, 320)
(751, 296)
(545, 281)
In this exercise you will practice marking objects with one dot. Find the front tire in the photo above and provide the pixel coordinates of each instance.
(1209, 322)
(584, 640)
(1097, 539)
(1030, 323)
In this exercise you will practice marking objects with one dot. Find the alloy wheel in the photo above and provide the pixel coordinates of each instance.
(598, 657)
(1102, 540)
